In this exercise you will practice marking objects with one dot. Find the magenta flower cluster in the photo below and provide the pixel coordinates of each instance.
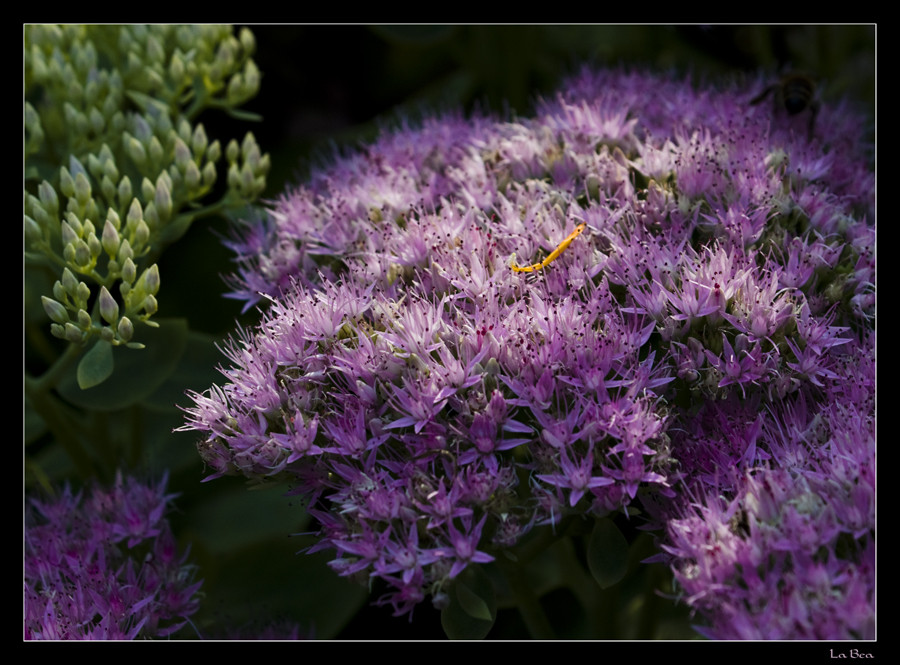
(434, 405)
(105, 566)
(777, 540)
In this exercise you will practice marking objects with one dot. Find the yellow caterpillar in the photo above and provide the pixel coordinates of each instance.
(560, 248)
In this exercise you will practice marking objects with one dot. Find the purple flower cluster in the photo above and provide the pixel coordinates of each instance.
(778, 541)
(433, 405)
(105, 566)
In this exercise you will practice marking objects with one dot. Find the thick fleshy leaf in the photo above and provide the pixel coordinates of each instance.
(472, 604)
(96, 365)
(607, 553)
(233, 531)
(138, 372)
(472, 610)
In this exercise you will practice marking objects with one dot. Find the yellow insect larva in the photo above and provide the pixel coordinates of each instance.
(560, 248)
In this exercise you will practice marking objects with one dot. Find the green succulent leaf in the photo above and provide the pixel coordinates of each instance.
(96, 366)
(472, 604)
(472, 609)
(607, 553)
(240, 114)
(138, 374)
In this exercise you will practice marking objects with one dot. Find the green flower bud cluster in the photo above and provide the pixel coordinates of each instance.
(205, 64)
(67, 308)
(247, 168)
(90, 70)
(115, 169)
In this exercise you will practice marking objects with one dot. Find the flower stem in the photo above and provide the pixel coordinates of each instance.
(528, 604)
(61, 424)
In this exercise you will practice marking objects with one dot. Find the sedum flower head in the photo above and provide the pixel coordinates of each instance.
(476, 327)
(103, 564)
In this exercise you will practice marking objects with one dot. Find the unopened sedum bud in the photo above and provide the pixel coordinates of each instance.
(142, 232)
(184, 130)
(225, 55)
(209, 174)
(149, 281)
(176, 68)
(142, 130)
(199, 141)
(110, 170)
(232, 151)
(125, 251)
(148, 189)
(73, 333)
(265, 163)
(234, 176)
(109, 161)
(235, 89)
(183, 156)
(163, 198)
(247, 179)
(155, 51)
(259, 186)
(151, 216)
(112, 217)
(248, 144)
(214, 152)
(129, 271)
(69, 282)
(252, 156)
(251, 79)
(33, 232)
(156, 150)
(192, 177)
(32, 117)
(150, 305)
(82, 294)
(55, 310)
(135, 150)
(59, 291)
(94, 245)
(84, 320)
(68, 234)
(125, 329)
(66, 182)
(75, 224)
(107, 188)
(48, 197)
(126, 192)
(135, 214)
(248, 41)
(82, 254)
(109, 308)
(87, 229)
